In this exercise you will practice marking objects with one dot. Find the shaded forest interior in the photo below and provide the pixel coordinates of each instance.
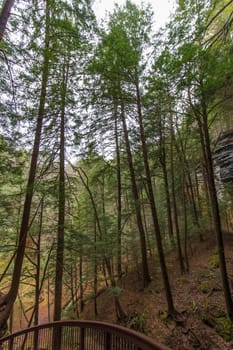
(116, 163)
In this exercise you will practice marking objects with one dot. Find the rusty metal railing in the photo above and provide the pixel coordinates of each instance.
(78, 335)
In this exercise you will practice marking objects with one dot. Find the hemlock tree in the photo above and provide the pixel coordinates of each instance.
(135, 24)
(108, 56)
(193, 68)
(128, 32)
(53, 25)
(7, 301)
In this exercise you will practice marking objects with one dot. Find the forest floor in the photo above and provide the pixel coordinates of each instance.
(198, 297)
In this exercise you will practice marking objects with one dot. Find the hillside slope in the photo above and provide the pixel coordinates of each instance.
(198, 297)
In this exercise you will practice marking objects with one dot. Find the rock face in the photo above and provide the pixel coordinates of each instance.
(223, 156)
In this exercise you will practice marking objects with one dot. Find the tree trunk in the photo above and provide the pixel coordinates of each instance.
(119, 206)
(8, 4)
(171, 309)
(38, 251)
(166, 184)
(95, 270)
(202, 119)
(175, 214)
(61, 213)
(145, 268)
(8, 300)
(216, 214)
(81, 292)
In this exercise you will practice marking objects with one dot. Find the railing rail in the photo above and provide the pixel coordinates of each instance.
(78, 335)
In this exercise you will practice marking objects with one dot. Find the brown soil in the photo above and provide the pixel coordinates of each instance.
(198, 298)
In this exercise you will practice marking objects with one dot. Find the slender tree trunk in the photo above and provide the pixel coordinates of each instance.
(175, 214)
(204, 155)
(81, 281)
(57, 312)
(166, 184)
(189, 183)
(144, 212)
(5, 13)
(171, 308)
(119, 206)
(120, 314)
(145, 268)
(216, 214)
(185, 221)
(8, 300)
(44, 277)
(61, 213)
(202, 119)
(95, 270)
(38, 251)
(48, 293)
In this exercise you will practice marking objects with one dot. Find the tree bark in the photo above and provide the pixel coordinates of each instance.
(216, 213)
(166, 184)
(6, 303)
(202, 119)
(169, 298)
(173, 192)
(119, 206)
(6, 9)
(145, 268)
(61, 214)
(38, 265)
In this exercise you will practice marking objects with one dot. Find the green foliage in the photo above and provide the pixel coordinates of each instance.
(193, 306)
(185, 75)
(225, 328)
(214, 262)
(138, 322)
(116, 291)
(205, 286)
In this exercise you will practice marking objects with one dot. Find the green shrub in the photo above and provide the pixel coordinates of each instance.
(205, 286)
(214, 262)
(138, 322)
(225, 328)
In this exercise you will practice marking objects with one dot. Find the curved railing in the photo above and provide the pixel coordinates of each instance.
(78, 335)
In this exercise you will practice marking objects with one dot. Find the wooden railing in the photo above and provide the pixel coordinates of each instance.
(78, 335)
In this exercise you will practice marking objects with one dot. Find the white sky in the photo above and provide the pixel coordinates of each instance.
(161, 8)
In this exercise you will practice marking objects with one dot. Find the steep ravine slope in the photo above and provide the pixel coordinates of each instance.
(198, 297)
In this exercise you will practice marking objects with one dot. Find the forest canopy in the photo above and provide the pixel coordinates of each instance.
(115, 147)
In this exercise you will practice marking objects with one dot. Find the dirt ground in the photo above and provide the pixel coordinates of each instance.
(198, 296)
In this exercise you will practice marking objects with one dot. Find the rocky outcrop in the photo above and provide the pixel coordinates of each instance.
(223, 156)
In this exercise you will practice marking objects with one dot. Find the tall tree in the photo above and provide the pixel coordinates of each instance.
(8, 300)
(200, 91)
(135, 24)
(110, 55)
(61, 211)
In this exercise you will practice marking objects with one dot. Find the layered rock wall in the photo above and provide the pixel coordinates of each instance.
(223, 156)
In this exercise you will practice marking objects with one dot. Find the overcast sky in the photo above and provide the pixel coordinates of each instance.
(161, 8)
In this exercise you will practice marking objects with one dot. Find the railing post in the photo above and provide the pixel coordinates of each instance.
(107, 342)
(82, 338)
